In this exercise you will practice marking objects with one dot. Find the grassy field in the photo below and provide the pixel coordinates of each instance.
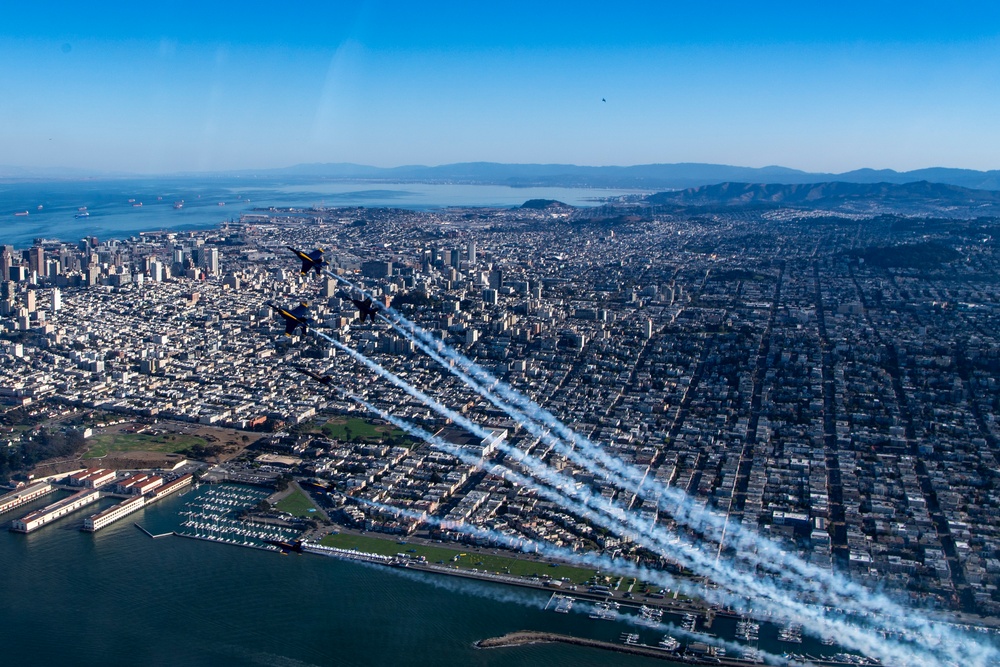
(113, 443)
(354, 429)
(297, 504)
(466, 560)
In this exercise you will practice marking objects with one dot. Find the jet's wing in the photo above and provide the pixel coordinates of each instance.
(298, 317)
(310, 260)
(322, 379)
(362, 310)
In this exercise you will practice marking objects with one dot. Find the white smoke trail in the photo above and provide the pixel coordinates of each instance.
(602, 563)
(610, 517)
(501, 592)
(828, 587)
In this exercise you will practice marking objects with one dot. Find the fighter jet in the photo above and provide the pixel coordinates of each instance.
(297, 317)
(366, 309)
(322, 379)
(312, 260)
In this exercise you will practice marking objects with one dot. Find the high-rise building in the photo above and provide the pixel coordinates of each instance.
(29, 301)
(496, 279)
(328, 288)
(93, 275)
(6, 261)
(470, 251)
(56, 300)
(53, 268)
(212, 261)
(36, 260)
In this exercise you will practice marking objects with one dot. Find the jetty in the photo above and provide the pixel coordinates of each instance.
(525, 637)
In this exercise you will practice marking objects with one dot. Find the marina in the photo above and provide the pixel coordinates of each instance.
(217, 514)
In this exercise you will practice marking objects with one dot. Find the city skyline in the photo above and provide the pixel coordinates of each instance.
(155, 90)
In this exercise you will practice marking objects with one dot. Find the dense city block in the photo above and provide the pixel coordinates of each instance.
(827, 380)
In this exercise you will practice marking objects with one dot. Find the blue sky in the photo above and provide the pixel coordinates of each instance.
(188, 86)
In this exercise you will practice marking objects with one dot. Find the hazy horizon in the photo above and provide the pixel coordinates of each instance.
(192, 88)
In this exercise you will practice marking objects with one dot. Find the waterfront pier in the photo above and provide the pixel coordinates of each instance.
(56, 510)
(95, 522)
(24, 496)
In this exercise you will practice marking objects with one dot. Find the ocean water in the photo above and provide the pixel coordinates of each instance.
(113, 216)
(119, 597)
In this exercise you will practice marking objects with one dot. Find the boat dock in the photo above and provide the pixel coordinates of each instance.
(629, 645)
(347, 554)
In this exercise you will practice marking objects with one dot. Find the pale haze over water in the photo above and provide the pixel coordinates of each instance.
(112, 215)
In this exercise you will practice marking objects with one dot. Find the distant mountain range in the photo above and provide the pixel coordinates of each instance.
(818, 195)
(644, 177)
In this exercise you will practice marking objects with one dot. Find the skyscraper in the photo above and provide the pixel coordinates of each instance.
(56, 300)
(36, 260)
(496, 279)
(470, 251)
(212, 261)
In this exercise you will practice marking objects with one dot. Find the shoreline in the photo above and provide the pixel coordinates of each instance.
(528, 637)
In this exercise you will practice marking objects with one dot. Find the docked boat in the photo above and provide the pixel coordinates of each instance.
(605, 611)
(564, 604)
(650, 616)
(670, 644)
(791, 633)
(690, 622)
(747, 629)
